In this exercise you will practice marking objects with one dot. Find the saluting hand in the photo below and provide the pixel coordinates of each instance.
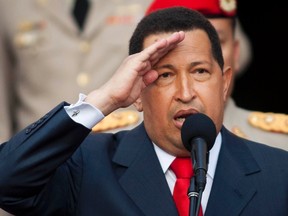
(133, 75)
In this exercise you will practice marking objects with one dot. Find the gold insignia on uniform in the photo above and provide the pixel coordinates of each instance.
(29, 26)
(275, 122)
(237, 131)
(228, 6)
(126, 14)
(28, 33)
(25, 39)
(116, 120)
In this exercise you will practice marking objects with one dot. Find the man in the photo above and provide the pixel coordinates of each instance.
(57, 165)
(269, 128)
(46, 57)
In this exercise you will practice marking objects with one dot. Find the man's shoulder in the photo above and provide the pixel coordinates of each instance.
(263, 122)
(265, 127)
(269, 121)
(125, 119)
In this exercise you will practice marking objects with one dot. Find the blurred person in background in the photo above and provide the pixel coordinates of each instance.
(48, 55)
(262, 127)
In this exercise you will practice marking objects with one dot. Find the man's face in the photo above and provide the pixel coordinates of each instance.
(229, 45)
(190, 81)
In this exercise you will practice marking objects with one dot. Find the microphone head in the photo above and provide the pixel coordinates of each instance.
(198, 126)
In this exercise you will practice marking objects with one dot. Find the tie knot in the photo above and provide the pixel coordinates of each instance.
(182, 167)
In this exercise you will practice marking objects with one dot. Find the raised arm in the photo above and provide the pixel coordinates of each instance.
(30, 158)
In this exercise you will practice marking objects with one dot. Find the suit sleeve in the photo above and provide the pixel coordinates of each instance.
(29, 159)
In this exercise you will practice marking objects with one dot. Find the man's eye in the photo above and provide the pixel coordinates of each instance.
(164, 75)
(201, 74)
(165, 78)
(201, 71)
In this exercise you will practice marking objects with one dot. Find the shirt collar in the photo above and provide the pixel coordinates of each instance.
(166, 159)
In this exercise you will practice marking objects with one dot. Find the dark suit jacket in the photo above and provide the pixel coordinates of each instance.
(120, 174)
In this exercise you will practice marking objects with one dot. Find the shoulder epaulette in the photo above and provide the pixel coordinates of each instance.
(274, 122)
(237, 131)
(117, 120)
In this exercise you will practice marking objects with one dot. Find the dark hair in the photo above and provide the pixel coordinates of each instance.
(174, 19)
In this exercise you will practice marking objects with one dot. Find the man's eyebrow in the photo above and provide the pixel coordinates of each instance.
(169, 66)
(192, 64)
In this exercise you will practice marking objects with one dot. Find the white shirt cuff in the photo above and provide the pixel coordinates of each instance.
(84, 113)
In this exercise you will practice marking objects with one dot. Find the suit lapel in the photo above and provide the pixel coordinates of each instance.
(232, 187)
(144, 180)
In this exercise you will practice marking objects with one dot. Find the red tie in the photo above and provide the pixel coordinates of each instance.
(182, 167)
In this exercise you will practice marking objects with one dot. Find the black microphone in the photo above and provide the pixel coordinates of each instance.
(198, 135)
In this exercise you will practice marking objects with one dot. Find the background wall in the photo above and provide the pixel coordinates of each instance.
(263, 86)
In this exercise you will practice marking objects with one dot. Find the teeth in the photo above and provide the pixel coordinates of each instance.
(181, 119)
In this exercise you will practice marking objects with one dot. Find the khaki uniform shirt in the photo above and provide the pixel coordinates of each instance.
(45, 59)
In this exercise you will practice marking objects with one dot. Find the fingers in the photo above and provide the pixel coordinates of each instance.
(150, 77)
(172, 42)
(163, 46)
(152, 54)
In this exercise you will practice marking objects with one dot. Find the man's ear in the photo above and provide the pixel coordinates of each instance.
(138, 105)
(227, 81)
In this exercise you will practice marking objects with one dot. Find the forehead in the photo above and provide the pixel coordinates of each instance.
(195, 42)
(192, 36)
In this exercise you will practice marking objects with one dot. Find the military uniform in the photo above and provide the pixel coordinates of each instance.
(45, 59)
(269, 128)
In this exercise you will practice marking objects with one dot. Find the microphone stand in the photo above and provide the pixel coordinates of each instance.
(193, 196)
(196, 188)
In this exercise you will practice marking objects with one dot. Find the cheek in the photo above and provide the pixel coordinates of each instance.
(214, 100)
(151, 98)
(213, 92)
